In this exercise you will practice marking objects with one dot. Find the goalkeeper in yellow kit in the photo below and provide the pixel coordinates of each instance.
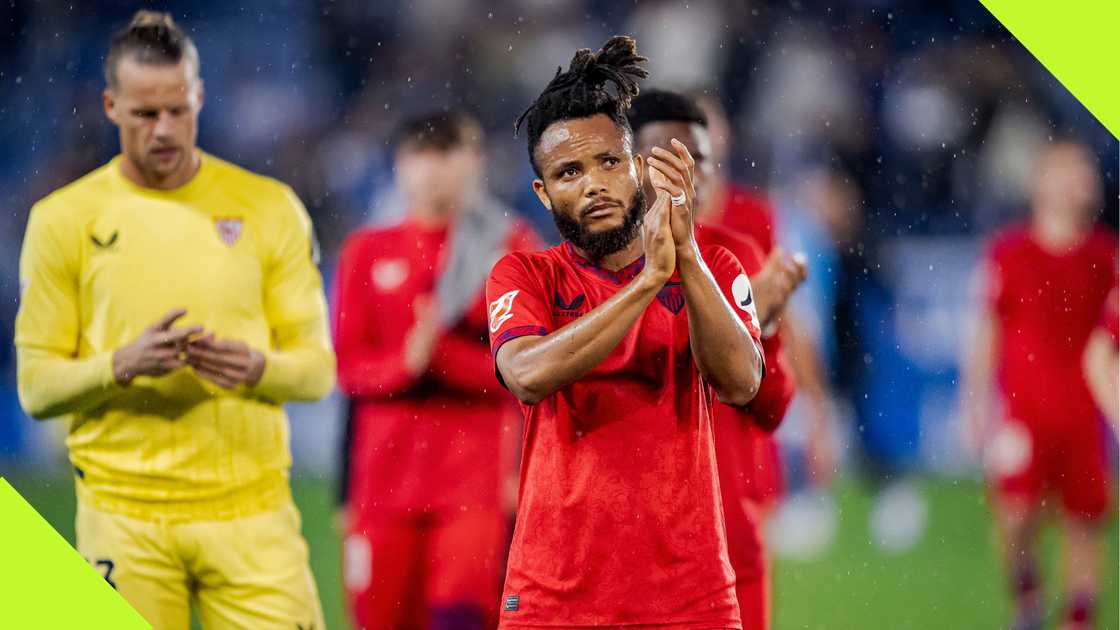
(170, 305)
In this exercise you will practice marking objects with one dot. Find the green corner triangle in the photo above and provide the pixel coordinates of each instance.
(1077, 42)
(45, 583)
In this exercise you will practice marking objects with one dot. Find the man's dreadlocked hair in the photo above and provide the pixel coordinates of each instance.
(582, 90)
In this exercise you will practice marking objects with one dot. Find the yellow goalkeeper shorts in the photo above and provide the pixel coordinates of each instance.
(248, 572)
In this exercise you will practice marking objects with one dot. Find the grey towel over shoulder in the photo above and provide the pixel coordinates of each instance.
(478, 240)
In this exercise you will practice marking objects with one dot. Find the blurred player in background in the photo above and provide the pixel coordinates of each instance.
(1102, 360)
(657, 117)
(432, 435)
(748, 212)
(171, 305)
(618, 342)
(1046, 284)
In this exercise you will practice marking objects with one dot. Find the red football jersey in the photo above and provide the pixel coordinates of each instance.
(1046, 305)
(741, 435)
(427, 442)
(619, 520)
(749, 213)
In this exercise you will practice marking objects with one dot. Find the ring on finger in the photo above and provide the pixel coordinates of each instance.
(678, 200)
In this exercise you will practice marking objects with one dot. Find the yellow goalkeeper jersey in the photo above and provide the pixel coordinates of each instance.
(102, 260)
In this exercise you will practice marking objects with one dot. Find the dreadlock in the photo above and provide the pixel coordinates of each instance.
(582, 90)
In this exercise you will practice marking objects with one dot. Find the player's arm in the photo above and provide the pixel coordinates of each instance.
(52, 379)
(978, 367)
(769, 405)
(773, 280)
(534, 367)
(1102, 368)
(456, 358)
(1101, 361)
(726, 353)
(299, 363)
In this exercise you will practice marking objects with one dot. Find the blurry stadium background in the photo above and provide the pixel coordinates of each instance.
(892, 137)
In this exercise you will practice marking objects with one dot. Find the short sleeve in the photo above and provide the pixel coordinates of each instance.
(736, 288)
(992, 281)
(515, 304)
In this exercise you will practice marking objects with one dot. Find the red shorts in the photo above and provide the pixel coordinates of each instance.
(440, 570)
(1027, 459)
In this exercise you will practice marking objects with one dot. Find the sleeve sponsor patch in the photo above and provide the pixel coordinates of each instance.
(501, 310)
(743, 294)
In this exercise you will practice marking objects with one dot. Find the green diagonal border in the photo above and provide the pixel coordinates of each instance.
(45, 584)
(1078, 41)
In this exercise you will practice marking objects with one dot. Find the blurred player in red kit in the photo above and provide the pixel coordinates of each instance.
(1046, 284)
(618, 343)
(656, 117)
(749, 212)
(426, 523)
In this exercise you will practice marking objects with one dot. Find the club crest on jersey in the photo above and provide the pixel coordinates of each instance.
(387, 275)
(501, 309)
(671, 297)
(229, 229)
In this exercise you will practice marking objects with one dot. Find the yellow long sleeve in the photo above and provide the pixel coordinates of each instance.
(52, 386)
(301, 364)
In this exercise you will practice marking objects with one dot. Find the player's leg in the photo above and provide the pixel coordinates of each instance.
(138, 559)
(1083, 480)
(465, 565)
(1082, 554)
(252, 572)
(1016, 460)
(381, 569)
(1018, 519)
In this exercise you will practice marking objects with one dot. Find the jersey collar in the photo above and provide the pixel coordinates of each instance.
(622, 276)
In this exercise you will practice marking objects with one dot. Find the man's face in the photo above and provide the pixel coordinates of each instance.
(438, 181)
(156, 108)
(695, 138)
(1067, 182)
(592, 183)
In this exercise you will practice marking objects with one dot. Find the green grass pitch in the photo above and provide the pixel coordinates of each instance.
(951, 579)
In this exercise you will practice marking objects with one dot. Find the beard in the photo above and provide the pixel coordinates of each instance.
(599, 244)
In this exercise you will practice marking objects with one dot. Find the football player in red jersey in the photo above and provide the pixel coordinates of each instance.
(1046, 283)
(618, 343)
(657, 117)
(749, 212)
(1102, 359)
(426, 520)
